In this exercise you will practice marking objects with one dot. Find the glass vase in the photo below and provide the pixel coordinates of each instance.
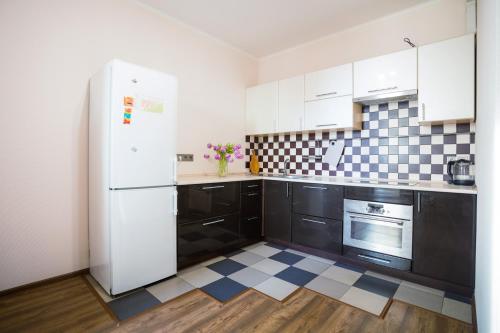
(222, 169)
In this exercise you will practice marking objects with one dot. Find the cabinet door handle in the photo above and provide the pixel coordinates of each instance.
(213, 222)
(418, 202)
(326, 125)
(287, 190)
(212, 187)
(327, 94)
(251, 186)
(423, 111)
(382, 89)
(252, 218)
(316, 188)
(313, 221)
(252, 194)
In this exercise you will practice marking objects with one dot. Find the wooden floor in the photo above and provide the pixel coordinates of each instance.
(70, 305)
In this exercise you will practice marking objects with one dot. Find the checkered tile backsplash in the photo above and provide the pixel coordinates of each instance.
(391, 145)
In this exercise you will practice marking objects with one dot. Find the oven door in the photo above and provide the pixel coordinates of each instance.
(380, 234)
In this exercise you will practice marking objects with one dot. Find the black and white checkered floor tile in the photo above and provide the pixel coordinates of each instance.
(278, 272)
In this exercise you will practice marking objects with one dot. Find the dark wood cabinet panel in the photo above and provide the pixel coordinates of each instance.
(318, 200)
(377, 194)
(204, 201)
(318, 233)
(198, 239)
(251, 186)
(444, 236)
(277, 210)
(251, 215)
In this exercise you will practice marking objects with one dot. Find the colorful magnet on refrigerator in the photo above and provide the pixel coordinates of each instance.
(126, 121)
(128, 101)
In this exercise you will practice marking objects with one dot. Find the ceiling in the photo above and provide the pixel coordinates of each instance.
(263, 27)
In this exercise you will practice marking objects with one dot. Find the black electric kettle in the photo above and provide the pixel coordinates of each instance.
(461, 172)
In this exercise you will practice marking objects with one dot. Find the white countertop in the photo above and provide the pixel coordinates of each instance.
(421, 185)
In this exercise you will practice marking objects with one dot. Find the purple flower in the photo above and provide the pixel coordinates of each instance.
(238, 146)
(231, 160)
(206, 156)
(223, 150)
(228, 156)
(217, 157)
(209, 145)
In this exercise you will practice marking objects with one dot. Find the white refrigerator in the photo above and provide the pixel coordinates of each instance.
(132, 176)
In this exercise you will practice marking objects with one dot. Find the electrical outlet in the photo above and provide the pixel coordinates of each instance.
(185, 157)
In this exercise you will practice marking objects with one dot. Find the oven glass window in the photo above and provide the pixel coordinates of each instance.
(377, 234)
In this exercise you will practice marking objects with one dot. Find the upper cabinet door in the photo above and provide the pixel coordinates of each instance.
(262, 108)
(339, 112)
(331, 82)
(386, 76)
(291, 104)
(446, 80)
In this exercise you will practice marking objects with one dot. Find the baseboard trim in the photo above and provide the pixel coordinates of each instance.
(44, 282)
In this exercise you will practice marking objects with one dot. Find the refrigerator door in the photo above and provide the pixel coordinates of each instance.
(143, 237)
(143, 127)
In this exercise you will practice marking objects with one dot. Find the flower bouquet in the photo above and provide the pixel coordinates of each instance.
(224, 154)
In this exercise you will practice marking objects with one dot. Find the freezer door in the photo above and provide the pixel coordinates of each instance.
(143, 237)
(143, 127)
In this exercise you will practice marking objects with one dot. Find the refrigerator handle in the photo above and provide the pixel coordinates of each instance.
(174, 169)
(174, 198)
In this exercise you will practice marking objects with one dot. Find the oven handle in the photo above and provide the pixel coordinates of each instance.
(378, 219)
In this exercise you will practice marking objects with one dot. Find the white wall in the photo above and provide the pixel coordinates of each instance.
(49, 50)
(488, 160)
(423, 24)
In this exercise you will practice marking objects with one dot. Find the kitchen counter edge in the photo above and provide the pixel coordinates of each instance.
(431, 186)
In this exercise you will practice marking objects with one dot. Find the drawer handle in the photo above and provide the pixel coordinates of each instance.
(252, 194)
(212, 187)
(316, 188)
(313, 221)
(326, 125)
(213, 222)
(383, 89)
(252, 218)
(327, 94)
(250, 186)
(374, 258)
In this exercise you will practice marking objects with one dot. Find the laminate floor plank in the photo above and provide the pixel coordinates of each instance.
(70, 306)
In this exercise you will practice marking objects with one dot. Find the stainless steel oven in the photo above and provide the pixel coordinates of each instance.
(379, 227)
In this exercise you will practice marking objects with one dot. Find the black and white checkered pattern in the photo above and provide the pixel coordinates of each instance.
(391, 145)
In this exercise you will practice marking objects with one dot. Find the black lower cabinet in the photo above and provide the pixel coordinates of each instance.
(318, 233)
(444, 236)
(277, 210)
(201, 239)
(251, 215)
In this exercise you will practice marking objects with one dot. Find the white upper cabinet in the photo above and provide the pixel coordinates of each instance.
(338, 112)
(291, 104)
(446, 80)
(327, 83)
(262, 108)
(386, 76)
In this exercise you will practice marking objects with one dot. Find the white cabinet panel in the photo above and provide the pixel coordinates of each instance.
(446, 80)
(386, 75)
(338, 112)
(331, 82)
(291, 104)
(262, 108)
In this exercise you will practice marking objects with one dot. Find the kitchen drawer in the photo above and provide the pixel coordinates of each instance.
(319, 233)
(318, 200)
(251, 204)
(377, 194)
(251, 227)
(199, 238)
(251, 186)
(205, 201)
